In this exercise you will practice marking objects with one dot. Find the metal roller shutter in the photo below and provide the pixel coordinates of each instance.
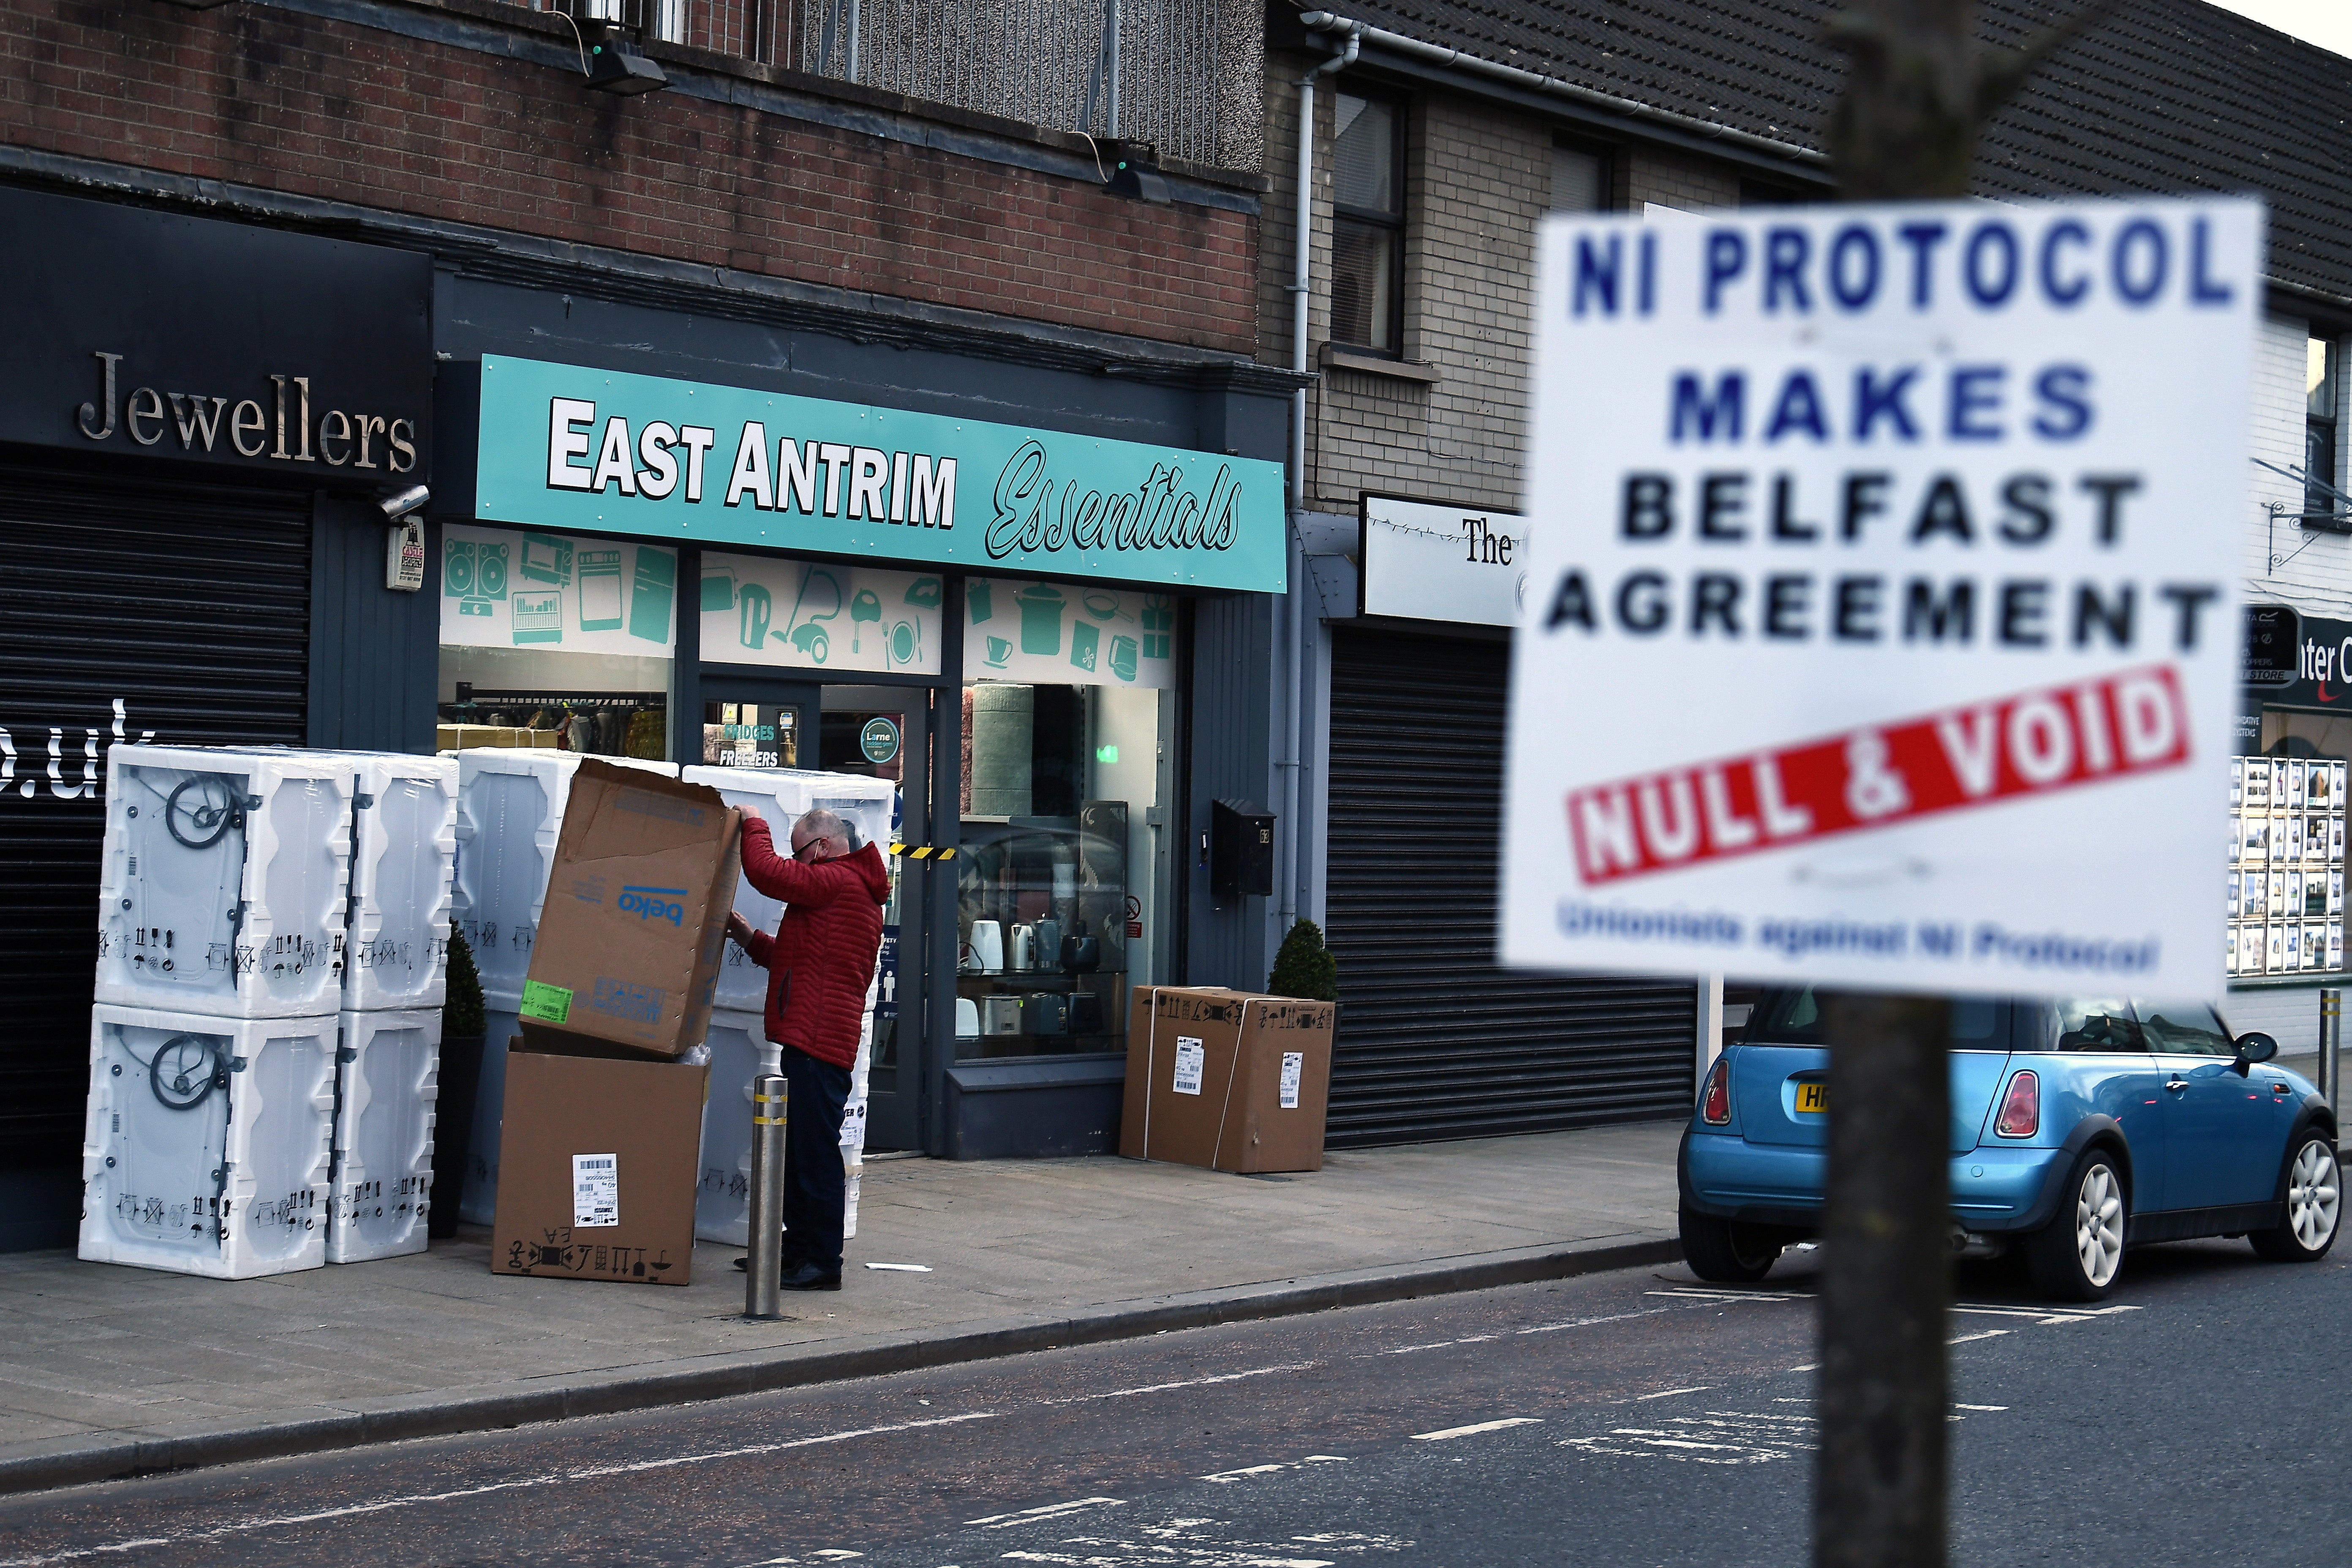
(189, 605)
(1434, 1040)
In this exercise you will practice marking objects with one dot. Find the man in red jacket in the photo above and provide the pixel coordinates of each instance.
(819, 964)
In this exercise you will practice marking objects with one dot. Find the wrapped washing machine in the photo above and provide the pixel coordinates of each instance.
(403, 853)
(782, 795)
(477, 1198)
(207, 1147)
(739, 1052)
(386, 1081)
(509, 813)
(224, 880)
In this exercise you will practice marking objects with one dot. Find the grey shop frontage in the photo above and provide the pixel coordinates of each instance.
(1028, 573)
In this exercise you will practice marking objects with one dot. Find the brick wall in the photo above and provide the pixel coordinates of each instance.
(1676, 180)
(334, 110)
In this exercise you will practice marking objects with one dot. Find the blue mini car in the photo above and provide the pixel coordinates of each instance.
(2079, 1127)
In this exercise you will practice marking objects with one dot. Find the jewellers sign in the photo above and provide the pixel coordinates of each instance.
(603, 451)
(148, 335)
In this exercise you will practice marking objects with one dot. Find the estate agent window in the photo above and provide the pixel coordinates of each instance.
(1368, 224)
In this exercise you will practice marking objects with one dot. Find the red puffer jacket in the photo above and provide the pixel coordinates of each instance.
(821, 960)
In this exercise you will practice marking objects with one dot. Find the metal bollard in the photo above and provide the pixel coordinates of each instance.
(763, 1298)
(2331, 1042)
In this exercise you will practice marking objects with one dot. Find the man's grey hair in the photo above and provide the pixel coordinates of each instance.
(819, 822)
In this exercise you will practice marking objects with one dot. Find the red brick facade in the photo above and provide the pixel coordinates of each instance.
(299, 104)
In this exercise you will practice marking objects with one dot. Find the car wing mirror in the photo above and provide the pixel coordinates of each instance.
(2252, 1049)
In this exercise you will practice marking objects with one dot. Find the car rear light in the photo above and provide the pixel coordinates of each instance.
(1715, 1105)
(2020, 1108)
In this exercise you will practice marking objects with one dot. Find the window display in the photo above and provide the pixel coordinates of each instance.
(2286, 863)
(1063, 872)
(556, 640)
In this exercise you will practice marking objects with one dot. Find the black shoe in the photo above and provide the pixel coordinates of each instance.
(809, 1277)
(744, 1265)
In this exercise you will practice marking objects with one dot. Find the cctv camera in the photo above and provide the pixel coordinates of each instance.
(400, 503)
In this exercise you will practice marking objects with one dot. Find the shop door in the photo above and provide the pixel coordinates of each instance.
(128, 607)
(1436, 1040)
(874, 731)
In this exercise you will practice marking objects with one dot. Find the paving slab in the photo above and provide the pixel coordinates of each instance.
(123, 1371)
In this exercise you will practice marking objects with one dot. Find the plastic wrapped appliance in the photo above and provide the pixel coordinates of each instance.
(387, 1077)
(782, 795)
(403, 852)
(738, 1053)
(224, 880)
(509, 812)
(207, 1145)
(477, 1198)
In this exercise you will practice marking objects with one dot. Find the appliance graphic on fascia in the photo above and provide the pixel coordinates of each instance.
(538, 614)
(599, 590)
(653, 595)
(474, 572)
(546, 558)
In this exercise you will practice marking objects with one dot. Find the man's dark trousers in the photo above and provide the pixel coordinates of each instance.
(813, 1174)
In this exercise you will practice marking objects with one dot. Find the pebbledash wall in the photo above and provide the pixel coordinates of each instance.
(748, 226)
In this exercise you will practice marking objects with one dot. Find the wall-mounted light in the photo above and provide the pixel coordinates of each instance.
(1136, 172)
(614, 67)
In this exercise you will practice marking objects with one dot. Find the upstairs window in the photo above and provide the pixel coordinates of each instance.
(1579, 180)
(1368, 224)
(2319, 428)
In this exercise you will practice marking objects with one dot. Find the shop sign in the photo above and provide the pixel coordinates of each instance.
(556, 593)
(141, 334)
(878, 741)
(1058, 634)
(801, 615)
(1427, 561)
(1882, 623)
(2272, 640)
(2315, 667)
(603, 451)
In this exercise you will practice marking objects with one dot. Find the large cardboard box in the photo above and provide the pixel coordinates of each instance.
(1232, 1080)
(596, 1168)
(630, 933)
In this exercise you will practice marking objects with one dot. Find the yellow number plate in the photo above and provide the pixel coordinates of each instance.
(1812, 1098)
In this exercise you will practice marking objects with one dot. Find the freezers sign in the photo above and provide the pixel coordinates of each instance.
(562, 447)
(1882, 626)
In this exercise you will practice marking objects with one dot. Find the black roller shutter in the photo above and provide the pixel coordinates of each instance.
(187, 601)
(1434, 1040)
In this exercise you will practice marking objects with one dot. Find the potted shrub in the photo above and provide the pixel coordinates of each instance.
(1304, 967)
(462, 1026)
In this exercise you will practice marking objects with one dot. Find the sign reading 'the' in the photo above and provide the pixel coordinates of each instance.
(1424, 562)
(1881, 625)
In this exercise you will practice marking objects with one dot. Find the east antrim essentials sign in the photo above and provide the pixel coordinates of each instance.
(1881, 625)
(603, 451)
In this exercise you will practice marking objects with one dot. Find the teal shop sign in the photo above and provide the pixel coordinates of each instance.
(564, 448)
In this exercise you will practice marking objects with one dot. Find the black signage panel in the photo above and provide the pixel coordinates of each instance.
(158, 335)
(2272, 631)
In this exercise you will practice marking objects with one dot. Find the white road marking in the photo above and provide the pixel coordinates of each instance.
(1432, 1345)
(1050, 1511)
(1473, 1431)
(1689, 1292)
(1225, 1476)
(1188, 1383)
(1980, 1407)
(1987, 1334)
(1670, 1393)
(902, 1267)
(416, 1500)
(1588, 1322)
(837, 1554)
(1716, 1437)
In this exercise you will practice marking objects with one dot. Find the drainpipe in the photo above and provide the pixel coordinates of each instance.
(1301, 278)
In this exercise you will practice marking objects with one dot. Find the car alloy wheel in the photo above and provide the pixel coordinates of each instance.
(2312, 1188)
(2079, 1253)
(2099, 1225)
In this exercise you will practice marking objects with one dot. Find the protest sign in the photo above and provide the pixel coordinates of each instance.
(1882, 618)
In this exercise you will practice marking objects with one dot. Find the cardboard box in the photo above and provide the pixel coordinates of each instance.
(1232, 1080)
(596, 1168)
(631, 932)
